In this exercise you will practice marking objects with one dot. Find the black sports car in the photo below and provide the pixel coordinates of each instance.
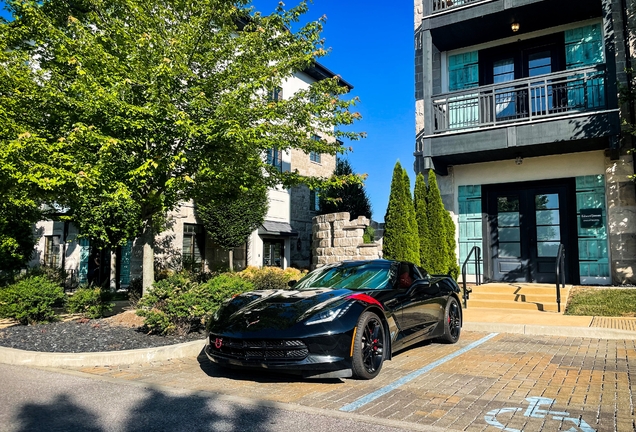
(340, 320)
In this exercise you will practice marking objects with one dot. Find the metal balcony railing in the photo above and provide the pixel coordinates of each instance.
(523, 100)
(442, 5)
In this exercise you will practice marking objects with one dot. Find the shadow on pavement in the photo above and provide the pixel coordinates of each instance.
(156, 412)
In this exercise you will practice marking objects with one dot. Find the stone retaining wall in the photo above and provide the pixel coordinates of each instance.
(336, 238)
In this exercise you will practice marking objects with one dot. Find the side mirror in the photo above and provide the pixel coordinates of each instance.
(291, 283)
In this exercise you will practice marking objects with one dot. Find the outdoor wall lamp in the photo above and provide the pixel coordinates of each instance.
(515, 27)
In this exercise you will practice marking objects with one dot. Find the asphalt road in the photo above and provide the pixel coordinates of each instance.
(41, 400)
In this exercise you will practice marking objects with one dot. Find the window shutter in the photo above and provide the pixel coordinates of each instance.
(463, 71)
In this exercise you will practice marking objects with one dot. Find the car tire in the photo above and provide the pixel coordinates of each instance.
(452, 321)
(368, 348)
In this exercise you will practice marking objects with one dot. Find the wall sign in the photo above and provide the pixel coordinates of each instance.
(591, 218)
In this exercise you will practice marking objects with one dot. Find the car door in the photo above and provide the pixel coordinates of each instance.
(421, 306)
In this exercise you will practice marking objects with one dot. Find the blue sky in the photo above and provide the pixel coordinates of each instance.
(372, 48)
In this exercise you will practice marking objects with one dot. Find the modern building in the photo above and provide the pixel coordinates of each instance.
(283, 240)
(518, 113)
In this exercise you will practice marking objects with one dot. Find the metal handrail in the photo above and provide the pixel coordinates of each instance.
(521, 100)
(477, 251)
(559, 274)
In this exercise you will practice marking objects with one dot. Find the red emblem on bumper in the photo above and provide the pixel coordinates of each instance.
(218, 343)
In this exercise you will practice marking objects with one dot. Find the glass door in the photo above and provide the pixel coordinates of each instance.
(526, 227)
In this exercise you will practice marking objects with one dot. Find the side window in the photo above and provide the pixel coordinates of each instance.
(315, 156)
(275, 94)
(52, 251)
(406, 275)
(193, 246)
(275, 158)
(314, 200)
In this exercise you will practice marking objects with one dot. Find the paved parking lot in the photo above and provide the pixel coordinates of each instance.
(486, 382)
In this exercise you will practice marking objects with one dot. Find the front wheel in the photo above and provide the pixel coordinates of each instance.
(452, 321)
(368, 348)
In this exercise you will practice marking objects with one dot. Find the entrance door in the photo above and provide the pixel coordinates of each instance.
(526, 226)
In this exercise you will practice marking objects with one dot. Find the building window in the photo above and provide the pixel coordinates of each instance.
(273, 253)
(314, 156)
(193, 246)
(314, 200)
(275, 158)
(275, 95)
(52, 251)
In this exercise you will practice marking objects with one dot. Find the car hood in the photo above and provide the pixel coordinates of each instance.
(274, 309)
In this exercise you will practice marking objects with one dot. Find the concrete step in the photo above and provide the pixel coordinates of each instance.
(541, 297)
(509, 288)
(510, 304)
(531, 297)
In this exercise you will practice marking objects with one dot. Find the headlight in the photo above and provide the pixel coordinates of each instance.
(329, 314)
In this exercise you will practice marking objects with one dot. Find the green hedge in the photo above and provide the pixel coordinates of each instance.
(31, 300)
(90, 302)
(177, 305)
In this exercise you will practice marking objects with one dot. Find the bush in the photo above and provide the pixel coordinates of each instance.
(90, 302)
(369, 235)
(177, 305)
(31, 300)
(270, 278)
(224, 286)
(56, 275)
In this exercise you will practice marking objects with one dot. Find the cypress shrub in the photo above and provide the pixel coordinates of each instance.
(413, 245)
(422, 220)
(400, 228)
(438, 250)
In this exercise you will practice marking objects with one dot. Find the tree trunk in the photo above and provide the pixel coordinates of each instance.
(231, 257)
(148, 261)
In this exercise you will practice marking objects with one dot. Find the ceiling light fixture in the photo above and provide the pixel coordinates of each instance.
(515, 27)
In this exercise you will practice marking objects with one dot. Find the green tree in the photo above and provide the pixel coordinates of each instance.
(400, 227)
(351, 197)
(230, 217)
(438, 250)
(443, 258)
(422, 219)
(133, 101)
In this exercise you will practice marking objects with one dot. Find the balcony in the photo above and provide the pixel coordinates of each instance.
(442, 5)
(525, 100)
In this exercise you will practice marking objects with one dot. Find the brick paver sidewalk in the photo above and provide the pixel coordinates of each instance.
(590, 380)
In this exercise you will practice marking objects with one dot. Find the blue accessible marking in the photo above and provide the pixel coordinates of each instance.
(396, 384)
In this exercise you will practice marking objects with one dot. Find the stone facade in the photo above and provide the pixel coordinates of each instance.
(302, 209)
(336, 238)
(621, 214)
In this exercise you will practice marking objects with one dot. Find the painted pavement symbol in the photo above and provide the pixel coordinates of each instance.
(534, 411)
(394, 385)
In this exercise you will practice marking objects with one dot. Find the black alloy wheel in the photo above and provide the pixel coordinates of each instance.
(368, 350)
(452, 321)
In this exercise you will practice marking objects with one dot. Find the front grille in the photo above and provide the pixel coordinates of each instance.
(261, 350)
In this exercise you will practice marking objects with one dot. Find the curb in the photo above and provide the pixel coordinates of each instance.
(540, 330)
(18, 357)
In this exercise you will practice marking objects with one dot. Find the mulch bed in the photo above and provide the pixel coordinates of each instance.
(120, 332)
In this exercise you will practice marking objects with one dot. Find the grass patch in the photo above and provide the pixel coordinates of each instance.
(602, 302)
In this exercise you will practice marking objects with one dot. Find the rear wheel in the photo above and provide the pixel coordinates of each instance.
(452, 321)
(368, 348)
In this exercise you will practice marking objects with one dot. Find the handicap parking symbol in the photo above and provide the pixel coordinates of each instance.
(534, 410)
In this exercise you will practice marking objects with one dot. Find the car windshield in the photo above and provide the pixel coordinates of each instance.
(351, 276)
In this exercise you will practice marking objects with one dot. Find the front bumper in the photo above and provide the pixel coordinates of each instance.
(318, 356)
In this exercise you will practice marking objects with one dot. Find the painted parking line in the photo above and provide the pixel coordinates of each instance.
(396, 384)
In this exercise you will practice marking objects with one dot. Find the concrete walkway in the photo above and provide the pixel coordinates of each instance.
(475, 319)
